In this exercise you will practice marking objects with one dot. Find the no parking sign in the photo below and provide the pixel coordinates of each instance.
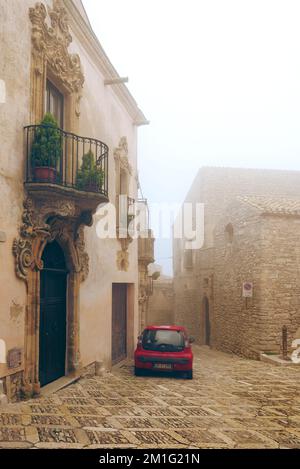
(247, 289)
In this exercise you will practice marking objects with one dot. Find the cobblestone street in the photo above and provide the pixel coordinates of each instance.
(231, 403)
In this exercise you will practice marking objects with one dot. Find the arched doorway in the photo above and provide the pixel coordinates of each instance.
(206, 322)
(52, 338)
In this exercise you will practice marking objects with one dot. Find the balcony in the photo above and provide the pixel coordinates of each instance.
(146, 247)
(125, 206)
(61, 164)
(146, 239)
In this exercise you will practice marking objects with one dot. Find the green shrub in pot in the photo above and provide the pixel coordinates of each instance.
(89, 176)
(46, 149)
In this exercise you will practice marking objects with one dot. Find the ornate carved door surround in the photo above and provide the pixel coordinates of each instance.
(51, 212)
(44, 222)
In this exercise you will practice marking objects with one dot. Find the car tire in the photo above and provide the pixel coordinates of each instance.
(189, 374)
(138, 371)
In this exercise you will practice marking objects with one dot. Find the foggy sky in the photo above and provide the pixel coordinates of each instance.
(219, 81)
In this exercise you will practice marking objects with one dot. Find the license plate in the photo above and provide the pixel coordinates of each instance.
(163, 366)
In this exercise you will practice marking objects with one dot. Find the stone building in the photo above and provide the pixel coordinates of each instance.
(239, 290)
(145, 258)
(68, 298)
(161, 302)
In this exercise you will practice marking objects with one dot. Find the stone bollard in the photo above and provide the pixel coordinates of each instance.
(284, 343)
(3, 397)
(99, 369)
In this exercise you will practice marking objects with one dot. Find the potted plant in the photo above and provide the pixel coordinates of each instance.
(89, 177)
(46, 150)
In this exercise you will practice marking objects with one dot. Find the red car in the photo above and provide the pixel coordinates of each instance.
(164, 348)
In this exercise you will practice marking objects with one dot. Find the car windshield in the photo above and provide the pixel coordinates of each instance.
(163, 340)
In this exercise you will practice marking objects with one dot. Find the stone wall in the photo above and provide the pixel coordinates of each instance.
(109, 118)
(280, 280)
(237, 322)
(264, 250)
(161, 302)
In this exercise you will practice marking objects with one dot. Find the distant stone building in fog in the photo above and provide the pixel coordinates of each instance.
(161, 302)
(252, 237)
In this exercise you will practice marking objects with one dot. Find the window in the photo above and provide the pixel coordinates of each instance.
(55, 103)
(163, 340)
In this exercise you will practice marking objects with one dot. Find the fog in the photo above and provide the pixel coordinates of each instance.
(219, 81)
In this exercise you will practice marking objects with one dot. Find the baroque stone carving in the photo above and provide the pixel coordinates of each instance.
(29, 228)
(83, 256)
(58, 207)
(22, 251)
(23, 246)
(50, 54)
(122, 260)
(53, 42)
(45, 223)
(123, 255)
(142, 295)
(122, 165)
(121, 155)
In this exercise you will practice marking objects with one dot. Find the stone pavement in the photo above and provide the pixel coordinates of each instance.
(231, 403)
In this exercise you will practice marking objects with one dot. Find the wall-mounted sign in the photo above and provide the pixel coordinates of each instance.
(2, 237)
(247, 289)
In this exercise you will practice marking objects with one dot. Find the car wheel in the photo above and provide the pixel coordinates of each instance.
(189, 374)
(138, 371)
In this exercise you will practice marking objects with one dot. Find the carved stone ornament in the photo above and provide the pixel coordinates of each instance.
(121, 155)
(61, 225)
(83, 257)
(142, 296)
(50, 47)
(123, 254)
(122, 260)
(23, 247)
(22, 251)
(122, 164)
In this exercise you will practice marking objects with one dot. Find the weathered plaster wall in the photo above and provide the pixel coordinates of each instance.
(15, 39)
(104, 117)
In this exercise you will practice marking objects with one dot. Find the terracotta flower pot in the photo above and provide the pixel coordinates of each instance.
(44, 174)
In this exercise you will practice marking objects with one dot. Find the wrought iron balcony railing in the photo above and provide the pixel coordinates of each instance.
(61, 158)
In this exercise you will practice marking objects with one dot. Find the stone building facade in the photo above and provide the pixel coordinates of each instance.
(145, 258)
(251, 239)
(161, 302)
(52, 262)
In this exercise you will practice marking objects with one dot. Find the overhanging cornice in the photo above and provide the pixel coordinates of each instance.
(93, 47)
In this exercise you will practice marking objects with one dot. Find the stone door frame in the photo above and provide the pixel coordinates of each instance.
(41, 225)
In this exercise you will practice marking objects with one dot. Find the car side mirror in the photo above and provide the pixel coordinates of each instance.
(191, 339)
